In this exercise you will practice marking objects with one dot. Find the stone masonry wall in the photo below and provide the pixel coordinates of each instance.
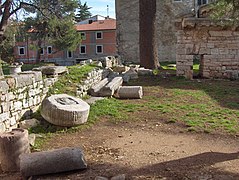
(127, 15)
(93, 77)
(217, 47)
(21, 95)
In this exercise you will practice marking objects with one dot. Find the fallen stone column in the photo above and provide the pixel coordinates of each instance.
(111, 87)
(12, 145)
(130, 92)
(49, 162)
(94, 91)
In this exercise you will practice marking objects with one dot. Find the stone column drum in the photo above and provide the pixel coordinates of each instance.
(65, 110)
(54, 161)
(12, 145)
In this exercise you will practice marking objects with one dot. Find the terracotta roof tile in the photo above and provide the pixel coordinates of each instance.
(107, 24)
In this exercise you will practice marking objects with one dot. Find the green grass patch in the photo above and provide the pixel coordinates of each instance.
(68, 83)
(113, 109)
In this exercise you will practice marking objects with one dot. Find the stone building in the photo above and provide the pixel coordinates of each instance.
(127, 15)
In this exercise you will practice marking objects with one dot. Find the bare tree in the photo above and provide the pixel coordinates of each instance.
(148, 42)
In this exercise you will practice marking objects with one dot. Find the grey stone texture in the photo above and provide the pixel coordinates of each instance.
(54, 161)
(65, 110)
(109, 89)
(53, 70)
(127, 14)
(130, 92)
(95, 90)
(20, 95)
(92, 80)
(12, 145)
(216, 46)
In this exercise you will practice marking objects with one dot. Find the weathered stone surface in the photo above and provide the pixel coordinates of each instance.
(119, 177)
(132, 74)
(3, 86)
(54, 161)
(23, 80)
(130, 92)
(144, 72)
(54, 70)
(121, 69)
(93, 100)
(29, 123)
(65, 110)
(94, 90)
(213, 44)
(37, 75)
(32, 139)
(12, 145)
(111, 87)
(15, 69)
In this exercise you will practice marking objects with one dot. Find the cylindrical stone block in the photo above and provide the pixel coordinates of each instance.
(54, 161)
(12, 145)
(130, 92)
(65, 110)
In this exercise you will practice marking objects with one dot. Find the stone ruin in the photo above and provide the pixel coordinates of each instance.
(214, 44)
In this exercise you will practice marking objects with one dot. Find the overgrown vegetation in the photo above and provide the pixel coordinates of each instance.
(68, 83)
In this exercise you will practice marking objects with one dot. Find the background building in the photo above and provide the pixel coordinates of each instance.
(98, 39)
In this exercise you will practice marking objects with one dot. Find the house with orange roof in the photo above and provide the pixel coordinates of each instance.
(98, 40)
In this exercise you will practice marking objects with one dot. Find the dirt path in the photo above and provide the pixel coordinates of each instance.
(150, 150)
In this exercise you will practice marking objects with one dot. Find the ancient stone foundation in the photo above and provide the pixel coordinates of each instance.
(20, 95)
(215, 46)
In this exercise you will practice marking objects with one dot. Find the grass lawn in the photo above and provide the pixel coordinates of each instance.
(208, 106)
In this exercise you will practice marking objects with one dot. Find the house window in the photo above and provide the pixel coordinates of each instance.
(49, 50)
(42, 51)
(69, 54)
(82, 49)
(99, 35)
(83, 35)
(21, 50)
(99, 49)
(201, 2)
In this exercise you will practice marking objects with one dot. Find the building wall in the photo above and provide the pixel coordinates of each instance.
(108, 42)
(60, 57)
(127, 22)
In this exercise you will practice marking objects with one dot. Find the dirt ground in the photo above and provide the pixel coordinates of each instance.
(146, 146)
(149, 149)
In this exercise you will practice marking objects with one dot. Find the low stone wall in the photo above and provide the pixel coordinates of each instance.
(20, 95)
(92, 79)
(216, 46)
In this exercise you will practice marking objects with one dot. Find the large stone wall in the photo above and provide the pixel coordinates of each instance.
(21, 95)
(216, 45)
(167, 11)
(127, 15)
